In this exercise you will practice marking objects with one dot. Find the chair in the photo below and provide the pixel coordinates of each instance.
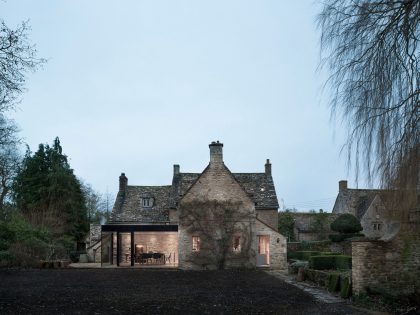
(168, 259)
(157, 257)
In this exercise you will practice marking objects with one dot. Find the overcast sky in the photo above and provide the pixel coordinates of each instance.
(137, 86)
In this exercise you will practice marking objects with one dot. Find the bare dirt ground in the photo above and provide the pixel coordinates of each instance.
(135, 291)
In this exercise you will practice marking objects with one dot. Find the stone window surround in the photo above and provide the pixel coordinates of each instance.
(237, 240)
(147, 202)
(377, 226)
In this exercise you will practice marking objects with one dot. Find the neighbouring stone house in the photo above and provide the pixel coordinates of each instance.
(388, 258)
(371, 206)
(214, 219)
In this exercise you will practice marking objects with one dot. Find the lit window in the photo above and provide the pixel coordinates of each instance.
(237, 244)
(196, 243)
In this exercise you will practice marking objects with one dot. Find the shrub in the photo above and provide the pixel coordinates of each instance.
(330, 262)
(345, 287)
(337, 237)
(28, 253)
(302, 254)
(292, 255)
(343, 262)
(346, 223)
(75, 255)
(343, 236)
(322, 262)
(294, 267)
(333, 282)
(6, 258)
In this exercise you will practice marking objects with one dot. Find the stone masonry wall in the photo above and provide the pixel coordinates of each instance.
(93, 244)
(392, 266)
(278, 246)
(215, 184)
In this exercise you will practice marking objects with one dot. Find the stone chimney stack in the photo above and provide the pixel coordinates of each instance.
(123, 182)
(216, 153)
(342, 185)
(176, 169)
(268, 168)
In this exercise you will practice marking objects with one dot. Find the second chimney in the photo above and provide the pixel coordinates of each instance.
(342, 185)
(123, 182)
(268, 167)
(216, 153)
(176, 169)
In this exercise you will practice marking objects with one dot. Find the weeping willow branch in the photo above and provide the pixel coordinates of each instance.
(371, 49)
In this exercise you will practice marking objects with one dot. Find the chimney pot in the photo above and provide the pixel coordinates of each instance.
(342, 185)
(268, 167)
(123, 182)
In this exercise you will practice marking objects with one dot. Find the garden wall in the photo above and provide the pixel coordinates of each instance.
(391, 267)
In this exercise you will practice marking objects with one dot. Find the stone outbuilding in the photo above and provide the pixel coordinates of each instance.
(210, 220)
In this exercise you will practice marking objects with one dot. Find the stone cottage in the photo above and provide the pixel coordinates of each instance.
(210, 220)
(368, 205)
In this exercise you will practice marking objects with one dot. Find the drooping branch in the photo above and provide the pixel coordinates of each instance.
(371, 49)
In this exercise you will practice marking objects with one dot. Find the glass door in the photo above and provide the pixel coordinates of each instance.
(263, 256)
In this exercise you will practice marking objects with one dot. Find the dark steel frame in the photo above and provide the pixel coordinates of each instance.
(131, 228)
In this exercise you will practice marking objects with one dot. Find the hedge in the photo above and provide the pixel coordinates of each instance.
(302, 255)
(343, 262)
(345, 288)
(334, 282)
(322, 262)
(343, 236)
(330, 262)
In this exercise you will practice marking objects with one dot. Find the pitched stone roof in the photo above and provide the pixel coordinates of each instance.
(260, 187)
(357, 201)
(128, 206)
(180, 184)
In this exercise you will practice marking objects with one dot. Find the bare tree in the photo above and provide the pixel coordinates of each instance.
(10, 158)
(225, 232)
(17, 57)
(97, 204)
(371, 49)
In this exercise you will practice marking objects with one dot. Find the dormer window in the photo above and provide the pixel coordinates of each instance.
(147, 202)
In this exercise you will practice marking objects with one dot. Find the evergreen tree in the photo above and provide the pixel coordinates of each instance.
(49, 194)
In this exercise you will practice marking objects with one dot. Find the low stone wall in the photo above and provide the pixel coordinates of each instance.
(392, 266)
